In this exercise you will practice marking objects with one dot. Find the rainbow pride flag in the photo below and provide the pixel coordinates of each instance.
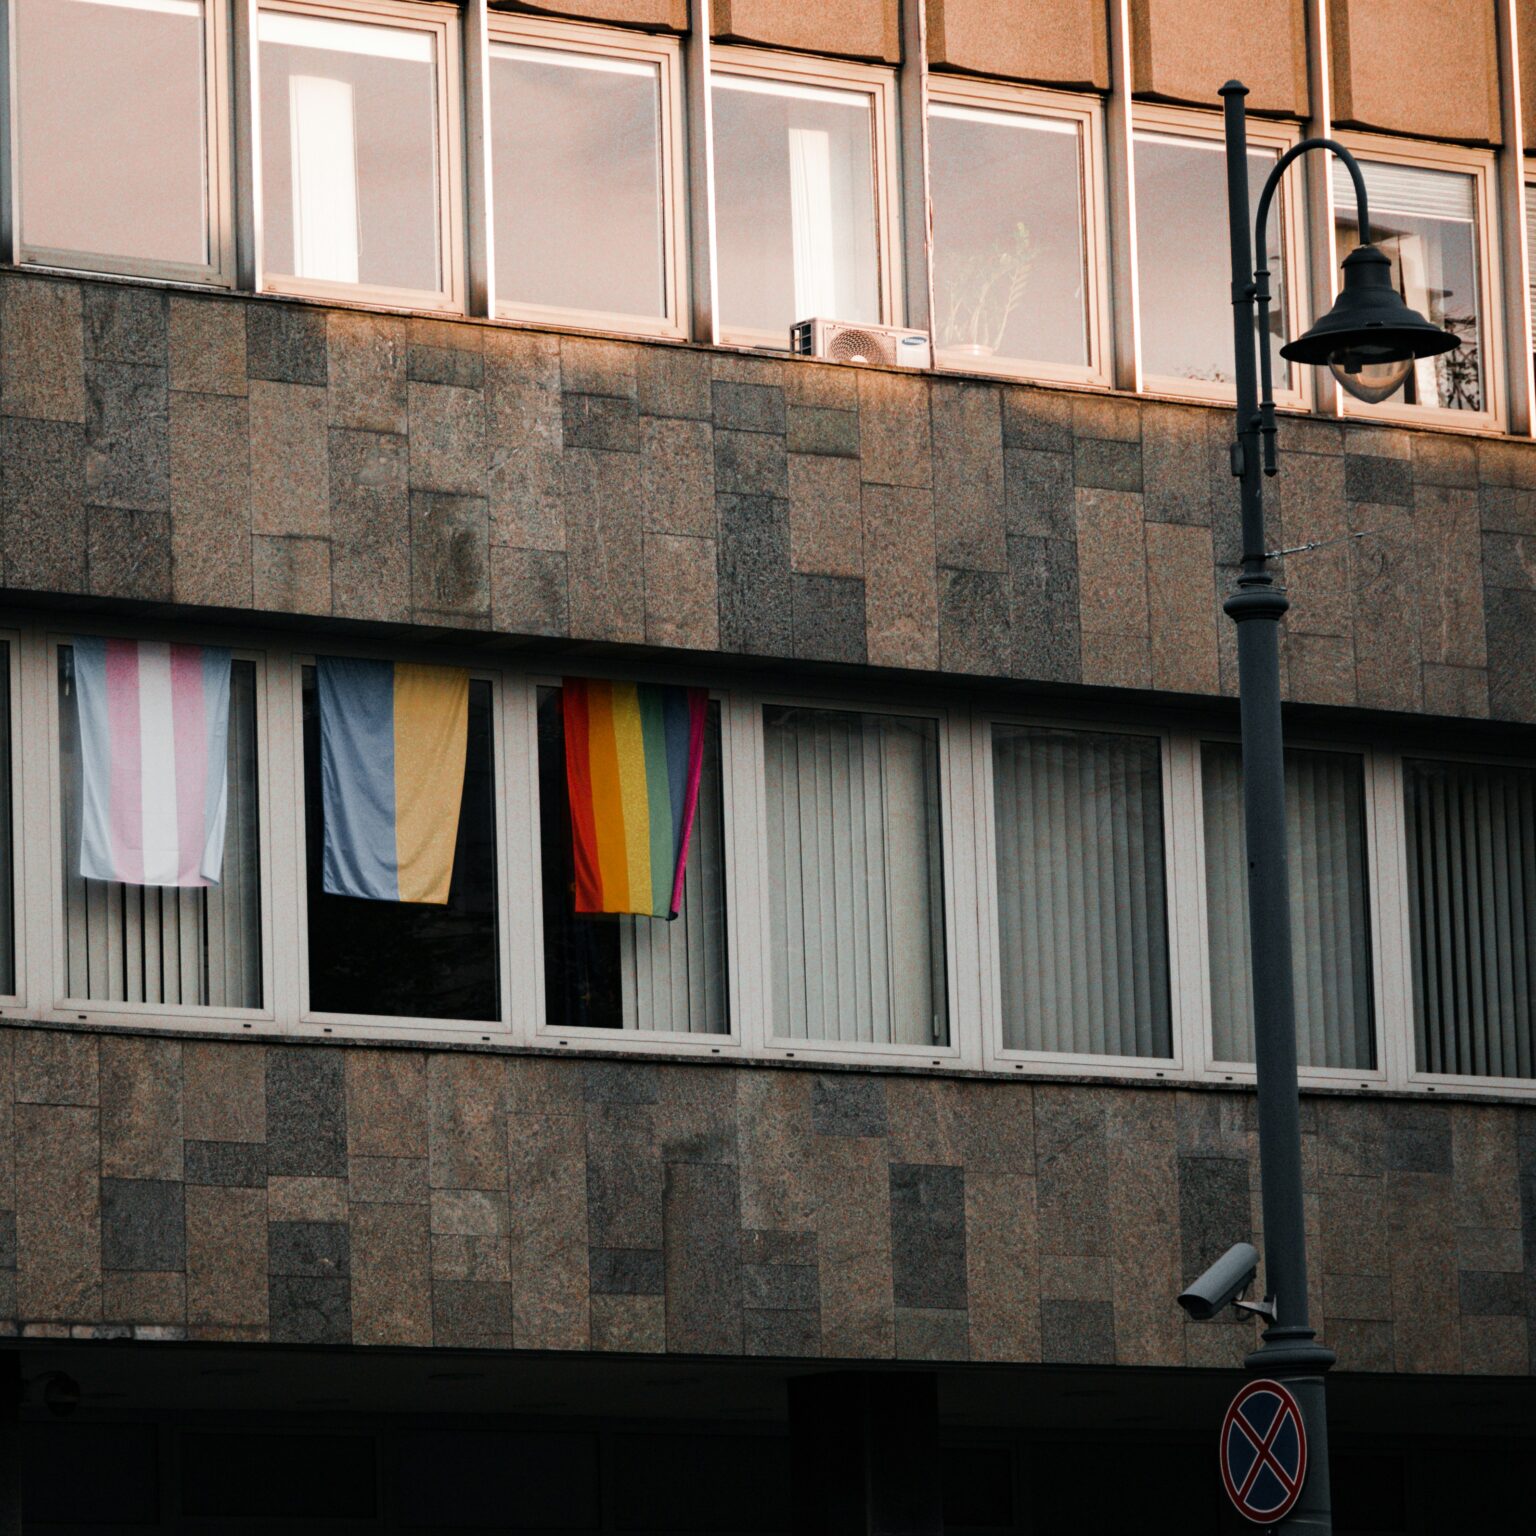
(393, 740)
(633, 753)
(154, 768)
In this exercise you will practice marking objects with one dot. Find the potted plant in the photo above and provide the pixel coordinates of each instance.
(981, 291)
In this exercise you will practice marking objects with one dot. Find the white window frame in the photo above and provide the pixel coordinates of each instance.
(524, 810)
(1087, 113)
(219, 269)
(665, 53)
(16, 999)
(443, 24)
(794, 69)
(1479, 164)
(59, 1004)
(957, 855)
(1003, 1058)
(1289, 219)
(312, 1021)
(1384, 1001)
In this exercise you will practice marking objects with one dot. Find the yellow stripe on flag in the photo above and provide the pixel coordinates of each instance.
(629, 744)
(431, 740)
(607, 803)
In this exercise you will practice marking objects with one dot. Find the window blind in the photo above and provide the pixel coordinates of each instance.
(856, 893)
(1413, 191)
(1471, 835)
(151, 944)
(1081, 886)
(1330, 908)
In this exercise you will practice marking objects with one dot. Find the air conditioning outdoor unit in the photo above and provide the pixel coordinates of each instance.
(838, 342)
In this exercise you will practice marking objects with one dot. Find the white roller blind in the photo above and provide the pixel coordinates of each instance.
(1411, 190)
(153, 944)
(1081, 889)
(1471, 834)
(855, 877)
(1330, 908)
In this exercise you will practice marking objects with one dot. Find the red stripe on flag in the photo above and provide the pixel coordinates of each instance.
(578, 780)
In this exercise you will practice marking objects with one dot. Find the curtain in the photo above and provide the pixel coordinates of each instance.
(1330, 909)
(153, 944)
(1471, 835)
(855, 877)
(1082, 904)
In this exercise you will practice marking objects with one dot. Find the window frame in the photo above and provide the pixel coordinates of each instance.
(445, 25)
(1263, 133)
(1004, 1058)
(1480, 164)
(879, 84)
(16, 999)
(219, 270)
(58, 1003)
(1087, 112)
(665, 52)
(523, 705)
(957, 868)
(310, 1021)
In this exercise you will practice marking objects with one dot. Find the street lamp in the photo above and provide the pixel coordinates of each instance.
(1369, 339)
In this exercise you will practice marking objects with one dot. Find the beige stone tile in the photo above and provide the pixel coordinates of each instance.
(141, 1132)
(224, 1091)
(227, 1256)
(55, 1067)
(853, 1249)
(826, 526)
(467, 1098)
(290, 467)
(366, 355)
(296, 1197)
(547, 1181)
(1181, 608)
(128, 1297)
(210, 498)
(386, 1103)
(207, 345)
(42, 346)
(1003, 1284)
(901, 600)
(629, 1324)
(895, 438)
(58, 1213)
(681, 601)
(291, 575)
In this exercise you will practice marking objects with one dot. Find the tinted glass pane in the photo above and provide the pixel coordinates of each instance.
(349, 152)
(578, 180)
(112, 128)
(408, 959)
(1009, 272)
(794, 205)
(621, 972)
(1184, 258)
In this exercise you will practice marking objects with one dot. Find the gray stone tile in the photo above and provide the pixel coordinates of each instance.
(932, 1333)
(42, 502)
(1509, 560)
(600, 421)
(975, 634)
(1511, 621)
(310, 1309)
(1106, 464)
(627, 1271)
(143, 1224)
(125, 324)
(591, 365)
(674, 382)
(471, 1314)
(1037, 419)
(763, 1248)
(309, 1248)
(848, 1104)
(1418, 1139)
(238, 1164)
(7, 1239)
(1507, 509)
(129, 553)
(206, 345)
(367, 366)
(781, 1335)
(750, 464)
(1039, 495)
(928, 1265)
(968, 476)
(127, 437)
(461, 366)
(291, 575)
(211, 496)
(701, 1215)
(285, 343)
(529, 592)
(748, 407)
(1492, 1294)
(1072, 1172)
(306, 1113)
(1077, 1332)
(828, 618)
(780, 1287)
(619, 1082)
(1044, 623)
(820, 429)
(447, 432)
(623, 1176)
(895, 433)
(754, 575)
(605, 545)
(450, 555)
(370, 526)
(677, 476)
(1215, 1210)
(1382, 481)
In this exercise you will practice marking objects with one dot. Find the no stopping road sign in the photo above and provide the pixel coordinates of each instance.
(1263, 1452)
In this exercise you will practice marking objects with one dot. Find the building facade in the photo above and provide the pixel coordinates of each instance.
(884, 1162)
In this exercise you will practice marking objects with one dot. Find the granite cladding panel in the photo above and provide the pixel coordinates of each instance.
(249, 453)
(315, 1194)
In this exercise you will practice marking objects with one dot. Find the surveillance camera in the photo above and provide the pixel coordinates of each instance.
(1222, 1283)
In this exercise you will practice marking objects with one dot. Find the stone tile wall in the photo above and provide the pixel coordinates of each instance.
(323, 1194)
(251, 454)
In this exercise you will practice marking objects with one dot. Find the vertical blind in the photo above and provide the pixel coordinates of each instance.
(1330, 906)
(1471, 835)
(856, 885)
(153, 944)
(1082, 892)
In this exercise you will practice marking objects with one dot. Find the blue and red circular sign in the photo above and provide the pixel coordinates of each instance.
(1264, 1452)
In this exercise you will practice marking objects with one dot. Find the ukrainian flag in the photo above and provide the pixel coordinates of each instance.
(393, 739)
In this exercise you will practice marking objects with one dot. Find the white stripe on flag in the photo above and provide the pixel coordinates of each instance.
(162, 864)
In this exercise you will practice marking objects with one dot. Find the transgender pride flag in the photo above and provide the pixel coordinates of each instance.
(154, 733)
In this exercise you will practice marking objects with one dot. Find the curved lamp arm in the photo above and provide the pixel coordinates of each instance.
(1261, 275)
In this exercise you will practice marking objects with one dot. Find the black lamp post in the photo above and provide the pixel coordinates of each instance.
(1369, 339)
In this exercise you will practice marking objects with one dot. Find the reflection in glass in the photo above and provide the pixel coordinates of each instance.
(406, 959)
(577, 163)
(1425, 223)
(1184, 258)
(178, 946)
(622, 972)
(1082, 892)
(794, 205)
(1330, 906)
(1010, 275)
(112, 128)
(856, 877)
(349, 152)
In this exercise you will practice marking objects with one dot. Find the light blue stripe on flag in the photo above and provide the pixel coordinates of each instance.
(357, 777)
(216, 676)
(95, 776)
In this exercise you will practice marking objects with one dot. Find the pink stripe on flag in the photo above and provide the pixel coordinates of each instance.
(698, 702)
(191, 742)
(125, 806)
